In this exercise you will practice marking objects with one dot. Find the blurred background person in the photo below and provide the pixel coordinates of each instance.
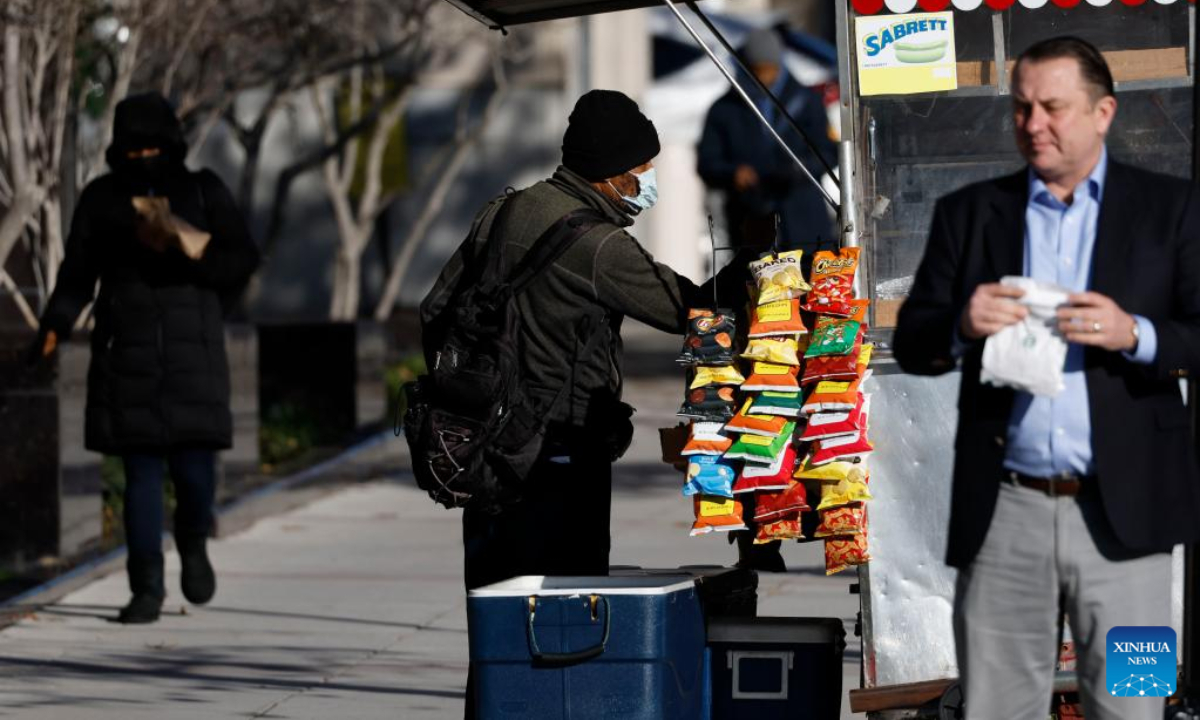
(171, 253)
(738, 157)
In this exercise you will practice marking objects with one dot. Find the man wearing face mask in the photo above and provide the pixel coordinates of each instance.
(561, 525)
(158, 384)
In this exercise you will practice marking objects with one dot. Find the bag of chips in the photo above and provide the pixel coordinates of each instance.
(745, 422)
(781, 317)
(717, 514)
(707, 438)
(833, 395)
(824, 425)
(844, 447)
(769, 376)
(761, 449)
(709, 339)
(777, 350)
(788, 529)
(833, 282)
(726, 375)
(832, 472)
(837, 367)
(714, 404)
(779, 277)
(850, 491)
(770, 506)
(770, 402)
(707, 475)
(848, 520)
(776, 476)
(835, 336)
(845, 552)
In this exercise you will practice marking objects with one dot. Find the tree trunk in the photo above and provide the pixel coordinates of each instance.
(347, 285)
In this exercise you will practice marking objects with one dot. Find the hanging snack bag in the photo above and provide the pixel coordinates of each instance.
(833, 472)
(776, 476)
(850, 491)
(760, 449)
(770, 402)
(777, 350)
(837, 367)
(709, 339)
(781, 317)
(833, 282)
(726, 375)
(769, 376)
(713, 404)
(835, 336)
(707, 475)
(706, 438)
(779, 276)
(834, 395)
(788, 529)
(776, 505)
(824, 425)
(845, 552)
(719, 514)
(844, 447)
(842, 521)
(745, 422)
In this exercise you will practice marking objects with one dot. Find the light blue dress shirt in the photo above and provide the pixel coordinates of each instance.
(1048, 436)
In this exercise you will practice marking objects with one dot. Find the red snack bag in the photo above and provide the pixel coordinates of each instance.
(776, 476)
(824, 425)
(843, 447)
(776, 505)
(833, 282)
(847, 520)
(833, 395)
(788, 529)
(845, 552)
(717, 514)
(837, 367)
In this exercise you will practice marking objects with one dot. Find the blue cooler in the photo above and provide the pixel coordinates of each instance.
(588, 647)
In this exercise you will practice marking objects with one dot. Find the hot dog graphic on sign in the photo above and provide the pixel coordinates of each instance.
(903, 54)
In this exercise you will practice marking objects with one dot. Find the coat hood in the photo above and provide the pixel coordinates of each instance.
(141, 121)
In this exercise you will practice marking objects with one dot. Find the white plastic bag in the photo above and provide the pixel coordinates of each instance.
(1029, 355)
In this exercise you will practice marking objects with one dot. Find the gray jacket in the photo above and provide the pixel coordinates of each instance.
(605, 276)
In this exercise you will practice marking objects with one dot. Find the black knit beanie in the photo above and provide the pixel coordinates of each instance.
(607, 135)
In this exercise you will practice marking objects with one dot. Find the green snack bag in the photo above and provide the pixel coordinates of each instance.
(760, 448)
(833, 336)
(769, 402)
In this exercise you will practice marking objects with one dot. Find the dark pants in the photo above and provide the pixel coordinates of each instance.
(194, 474)
(560, 528)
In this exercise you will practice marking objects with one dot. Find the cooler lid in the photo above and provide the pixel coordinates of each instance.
(541, 585)
(776, 630)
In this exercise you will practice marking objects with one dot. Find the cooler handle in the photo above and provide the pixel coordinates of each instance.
(569, 658)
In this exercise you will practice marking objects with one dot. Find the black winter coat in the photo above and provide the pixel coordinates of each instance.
(159, 376)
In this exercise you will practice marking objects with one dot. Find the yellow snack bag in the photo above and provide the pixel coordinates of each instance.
(845, 492)
(779, 276)
(727, 375)
(778, 350)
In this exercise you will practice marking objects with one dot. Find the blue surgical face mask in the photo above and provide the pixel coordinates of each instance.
(647, 192)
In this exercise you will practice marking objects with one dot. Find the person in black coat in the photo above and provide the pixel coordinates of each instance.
(158, 382)
(738, 157)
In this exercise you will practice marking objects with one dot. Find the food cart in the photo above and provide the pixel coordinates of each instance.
(904, 143)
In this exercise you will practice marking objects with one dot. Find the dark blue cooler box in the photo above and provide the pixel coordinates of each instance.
(588, 647)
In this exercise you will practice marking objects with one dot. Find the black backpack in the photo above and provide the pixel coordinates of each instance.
(472, 427)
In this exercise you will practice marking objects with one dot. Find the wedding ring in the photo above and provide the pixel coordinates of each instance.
(1095, 327)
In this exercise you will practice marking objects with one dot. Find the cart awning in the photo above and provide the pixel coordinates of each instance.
(874, 7)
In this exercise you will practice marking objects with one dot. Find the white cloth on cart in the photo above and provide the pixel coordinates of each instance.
(1029, 355)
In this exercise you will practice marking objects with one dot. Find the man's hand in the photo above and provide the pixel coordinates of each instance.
(1094, 319)
(993, 307)
(744, 178)
(50, 344)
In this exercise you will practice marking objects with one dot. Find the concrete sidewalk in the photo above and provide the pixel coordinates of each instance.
(349, 607)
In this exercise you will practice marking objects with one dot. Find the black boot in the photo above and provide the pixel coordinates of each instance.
(197, 578)
(146, 583)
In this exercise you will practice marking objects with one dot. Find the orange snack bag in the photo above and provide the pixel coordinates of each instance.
(845, 552)
(769, 376)
(833, 282)
(848, 520)
(706, 438)
(781, 317)
(716, 514)
(765, 425)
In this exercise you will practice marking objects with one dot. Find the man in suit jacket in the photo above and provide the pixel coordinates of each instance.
(1072, 501)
